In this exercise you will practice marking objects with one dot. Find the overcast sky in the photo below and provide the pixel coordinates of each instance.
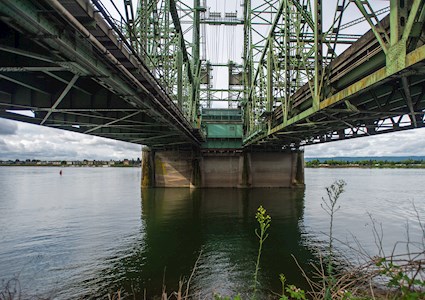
(26, 141)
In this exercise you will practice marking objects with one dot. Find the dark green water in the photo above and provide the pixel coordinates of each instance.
(218, 226)
(93, 231)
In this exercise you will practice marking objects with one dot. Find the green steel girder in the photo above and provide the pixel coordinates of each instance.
(160, 41)
(397, 108)
(377, 28)
(95, 66)
(304, 88)
(288, 23)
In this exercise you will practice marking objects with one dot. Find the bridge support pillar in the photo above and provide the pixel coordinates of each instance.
(275, 169)
(148, 168)
(192, 169)
(170, 168)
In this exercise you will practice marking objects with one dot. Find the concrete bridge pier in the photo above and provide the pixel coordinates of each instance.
(238, 169)
(170, 168)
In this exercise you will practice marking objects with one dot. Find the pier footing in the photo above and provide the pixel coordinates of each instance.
(192, 169)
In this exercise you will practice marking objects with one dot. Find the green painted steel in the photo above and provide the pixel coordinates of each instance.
(160, 40)
(300, 95)
(227, 144)
(223, 128)
(218, 114)
(224, 131)
(81, 73)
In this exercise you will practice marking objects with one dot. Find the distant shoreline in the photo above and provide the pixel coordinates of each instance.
(367, 164)
(74, 166)
(126, 163)
(365, 167)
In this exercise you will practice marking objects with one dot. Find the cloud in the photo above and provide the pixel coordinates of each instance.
(406, 143)
(3, 145)
(28, 141)
(7, 127)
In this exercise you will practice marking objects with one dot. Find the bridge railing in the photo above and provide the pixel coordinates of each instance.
(122, 28)
(158, 47)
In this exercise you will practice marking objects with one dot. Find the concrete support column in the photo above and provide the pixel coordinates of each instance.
(245, 170)
(190, 169)
(148, 168)
(275, 169)
(220, 171)
(298, 169)
(170, 168)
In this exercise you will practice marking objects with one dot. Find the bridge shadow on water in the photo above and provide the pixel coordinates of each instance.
(216, 225)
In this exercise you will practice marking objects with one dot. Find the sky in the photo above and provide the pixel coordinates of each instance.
(22, 141)
(26, 141)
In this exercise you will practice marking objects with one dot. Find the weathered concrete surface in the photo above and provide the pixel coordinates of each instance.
(271, 169)
(220, 171)
(174, 169)
(148, 168)
(170, 169)
(239, 170)
(298, 169)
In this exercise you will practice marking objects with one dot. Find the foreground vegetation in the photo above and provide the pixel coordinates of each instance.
(397, 275)
(382, 277)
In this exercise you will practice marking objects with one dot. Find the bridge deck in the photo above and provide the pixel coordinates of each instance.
(46, 44)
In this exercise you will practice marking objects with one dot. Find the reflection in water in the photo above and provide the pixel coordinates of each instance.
(218, 225)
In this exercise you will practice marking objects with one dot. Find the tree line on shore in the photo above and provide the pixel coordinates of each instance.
(371, 163)
(73, 163)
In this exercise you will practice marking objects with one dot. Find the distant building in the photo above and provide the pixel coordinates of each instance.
(73, 163)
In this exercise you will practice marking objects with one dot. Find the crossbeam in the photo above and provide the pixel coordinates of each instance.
(60, 98)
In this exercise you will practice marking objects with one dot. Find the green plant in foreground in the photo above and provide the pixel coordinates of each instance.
(292, 290)
(401, 281)
(218, 297)
(264, 221)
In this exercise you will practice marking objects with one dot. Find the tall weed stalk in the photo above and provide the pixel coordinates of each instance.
(264, 221)
(330, 206)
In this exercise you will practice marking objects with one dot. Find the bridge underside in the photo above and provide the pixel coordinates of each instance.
(74, 72)
(392, 103)
(364, 91)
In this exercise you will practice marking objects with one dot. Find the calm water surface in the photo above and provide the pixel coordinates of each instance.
(93, 230)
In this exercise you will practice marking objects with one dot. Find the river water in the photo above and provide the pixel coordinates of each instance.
(93, 231)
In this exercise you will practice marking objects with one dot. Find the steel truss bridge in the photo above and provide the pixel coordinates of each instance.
(141, 74)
